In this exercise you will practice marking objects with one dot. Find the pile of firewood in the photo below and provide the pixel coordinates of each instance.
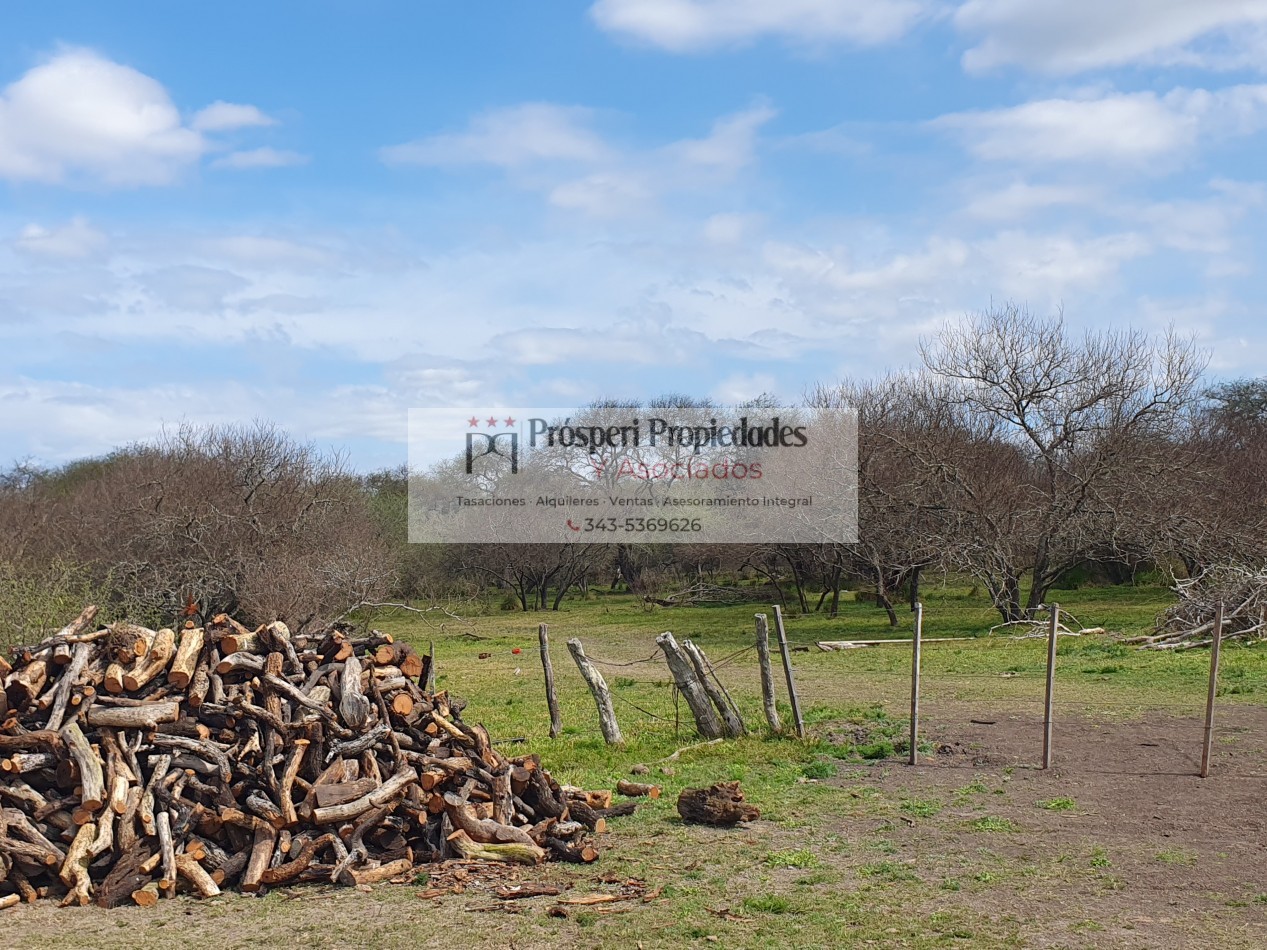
(1189, 623)
(135, 762)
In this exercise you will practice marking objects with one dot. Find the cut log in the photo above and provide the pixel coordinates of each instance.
(153, 662)
(236, 642)
(147, 895)
(637, 789)
(384, 872)
(354, 705)
(337, 794)
(598, 798)
(69, 678)
(514, 853)
(134, 717)
(720, 804)
(572, 853)
(386, 792)
(400, 655)
(126, 642)
(261, 853)
(91, 776)
(24, 684)
(197, 876)
(74, 872)
(185, 663)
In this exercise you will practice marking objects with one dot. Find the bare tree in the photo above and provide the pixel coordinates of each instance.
(1056, 441)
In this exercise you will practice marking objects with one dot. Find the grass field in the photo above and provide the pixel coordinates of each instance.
(976, 848)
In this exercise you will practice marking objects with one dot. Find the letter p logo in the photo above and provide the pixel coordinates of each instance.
(482, 444)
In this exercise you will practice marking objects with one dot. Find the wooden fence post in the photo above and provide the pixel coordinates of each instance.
(552, 701)
(915, 646)
(690, 687)
(725, 705)
(767, 674)
(602, 695)
(787, 669)
(1051, 683)
(1215, 644)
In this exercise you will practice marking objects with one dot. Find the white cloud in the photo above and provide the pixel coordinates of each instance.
(1127, 129)
(191, 288)
(223, 116)
(539, 146)
(82, 115)
(266, 251)
(260, 158)
(1021, 199)
(683, 26)
(509, 137)
(79, 117)
(742, 387)
(604, 194)
(1037, 266)
(1077, 35)
(730, 228)
(76, 239)
(731, 143)
(906, 271)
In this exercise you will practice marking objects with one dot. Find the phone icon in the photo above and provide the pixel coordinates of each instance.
(572, 526)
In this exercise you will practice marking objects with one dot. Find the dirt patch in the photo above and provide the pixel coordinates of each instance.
(1119, 844)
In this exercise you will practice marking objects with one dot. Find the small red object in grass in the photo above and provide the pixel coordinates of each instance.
(516, 650)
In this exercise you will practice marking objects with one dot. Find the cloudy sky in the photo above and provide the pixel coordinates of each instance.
(326, 213)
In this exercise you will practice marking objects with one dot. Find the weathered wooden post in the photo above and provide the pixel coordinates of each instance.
(1051, 683)
(767, 674)
(915, 646)
(1215, 644)
(721, 699)
(602, 695)
(552, 701)
(690, 687)
(787, 669)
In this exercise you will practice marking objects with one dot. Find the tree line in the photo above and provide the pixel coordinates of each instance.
(1015, 452)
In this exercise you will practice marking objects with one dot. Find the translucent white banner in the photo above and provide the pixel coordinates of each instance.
(633, 475)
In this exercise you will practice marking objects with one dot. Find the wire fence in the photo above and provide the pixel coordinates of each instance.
(944, 700)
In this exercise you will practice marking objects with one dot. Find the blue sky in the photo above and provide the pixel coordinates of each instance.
(323, 214)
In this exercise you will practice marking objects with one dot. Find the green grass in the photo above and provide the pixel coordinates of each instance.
(1058, 804)
(828, 863)
(921, 807)
(793, 858)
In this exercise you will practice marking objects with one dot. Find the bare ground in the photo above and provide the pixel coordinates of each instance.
(1178, 861)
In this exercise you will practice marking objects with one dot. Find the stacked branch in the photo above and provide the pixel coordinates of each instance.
(1189, 623)
(137, 763)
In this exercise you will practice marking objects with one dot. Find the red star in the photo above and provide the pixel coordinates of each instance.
(473, 422)
(492, 423)
(509, 421)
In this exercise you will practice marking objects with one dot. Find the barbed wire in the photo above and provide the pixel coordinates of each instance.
(616, 665)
